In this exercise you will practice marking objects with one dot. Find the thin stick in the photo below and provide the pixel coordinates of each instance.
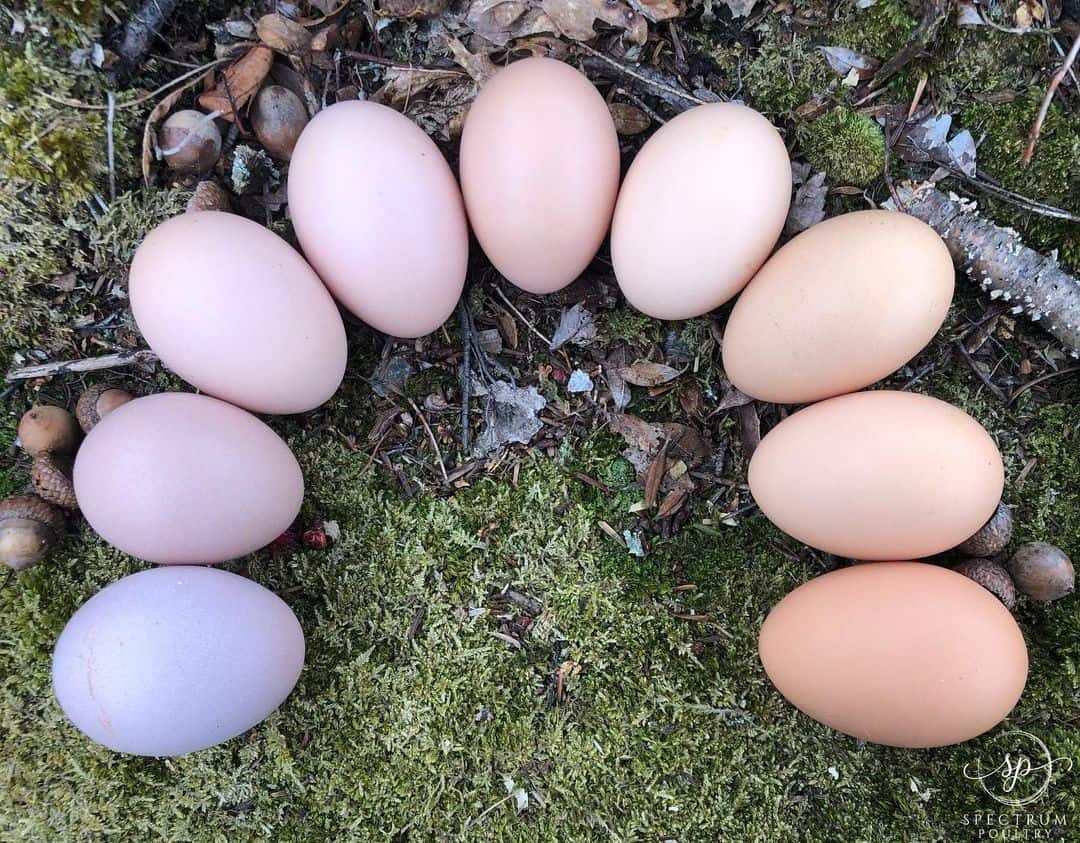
(111, 114)
(88, 106)
(644, 80)
(88, 364)
(1017, 199)
(1021, 390)
(466, 373)
(1033, 135)
(434, 441)
(517, 313)
(401, 65)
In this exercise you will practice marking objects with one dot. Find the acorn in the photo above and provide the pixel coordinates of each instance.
(991, 576)
(190, 142)
(278, 117)
(97, 402)
(209, 196)
(28, 528)
(50, 475)
(44, 428)
(1042, 571)
(993, 537)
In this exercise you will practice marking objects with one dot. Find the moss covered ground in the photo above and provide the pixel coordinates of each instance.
(634, 707)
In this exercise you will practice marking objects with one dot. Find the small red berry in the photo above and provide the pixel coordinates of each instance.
(316, 537)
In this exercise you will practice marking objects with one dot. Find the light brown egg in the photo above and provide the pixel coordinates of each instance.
(234, 310)
(177, 478)
(699, 210)
(898, 653)
(878, 475)
(842, 305)
(539, 172)
(380, 217)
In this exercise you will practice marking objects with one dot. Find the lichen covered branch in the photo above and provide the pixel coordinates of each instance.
(997, 260)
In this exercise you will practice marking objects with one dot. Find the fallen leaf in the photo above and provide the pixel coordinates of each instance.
(628, 119)
(239, 83)
(502, 22)
(490, 340)
(327, 7)
(477, 65)
(647, 373)
(507, 327)
(390, 376)
(657, 10)
(286, 36)
(575, 18)
(579, 382)
(149, 141)
(685, 443)
(576, 325)
(733, 397)
(926, 141)
(740, 8)
(967, 14)
(436, 100)
(749, 429)
(653, 477)
(843, 61)
(509, 416)
(411, 9)
(962, 152)
(671, 503)
(809, 206)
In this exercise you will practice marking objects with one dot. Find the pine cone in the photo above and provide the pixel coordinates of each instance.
(50, 475)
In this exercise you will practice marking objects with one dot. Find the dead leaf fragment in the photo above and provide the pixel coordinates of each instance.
(411, 9)
(657, 10)
(809, 206)
(740, 8)
(576, 326)
(286, 36)
(671, 503)
(843, 61)
(239, 82)
(159, 112)
(629, 119)
(477, 65)
(509, 416)
(507, 327)
(575, 18)
(647, 373)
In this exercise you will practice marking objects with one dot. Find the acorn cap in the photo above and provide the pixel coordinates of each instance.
(46, 428)
(97, 402)
(50, 475)
(1042, 571)
(991, 576)
(993, 537)
(28, 528)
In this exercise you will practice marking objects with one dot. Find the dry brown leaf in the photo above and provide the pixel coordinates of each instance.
(575, 18)
(286, 36)
(691, 400)
(326, 39)
(239, 83)
(158, 114)
(671, 503)
(411, 9)
(657, 10)
(647, 373)
(477, 65)
(502, 21)
(436, 100)
(507, 327)
(629, 119)
(685, 443)
(653, 477)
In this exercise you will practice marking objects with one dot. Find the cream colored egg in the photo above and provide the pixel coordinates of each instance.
(699, 210)
(842, 305)
(878, 475)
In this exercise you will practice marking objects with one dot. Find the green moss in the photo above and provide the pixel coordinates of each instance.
(83, 12)
(848, 146)
(628, 325)
(879, 31)
(784, 72)
(116, 234)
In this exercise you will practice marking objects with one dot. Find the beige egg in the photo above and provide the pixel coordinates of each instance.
(878, 475)
(539, 172)
(380, 217)
(177, 478)
(898, 653)
(236, 311)
(699, 210)
(842, 305)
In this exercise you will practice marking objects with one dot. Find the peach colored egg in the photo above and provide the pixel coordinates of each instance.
(699, 210)
(235, 311)
(842, 305)
(898, 653)
(539, 172)
(177, 478)
(171, 660)
(878, 475)
(380, 217)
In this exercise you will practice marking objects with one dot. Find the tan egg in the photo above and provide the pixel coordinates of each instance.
(380, 217)
(699, 210)
(878, 475)
(234, 310)
(177, 478)
(897, 653)
(842, 305)
(539, 172)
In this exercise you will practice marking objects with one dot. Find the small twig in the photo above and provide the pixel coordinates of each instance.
(401, 65)
(1055, 81)
(644, 80)
(979, 373)
(1021, 390)
(640, 103)
(111, 151)
(517, 313)
(434, 441)
(89, 106)
(88, 364)
(1017, 199)
(465, 374)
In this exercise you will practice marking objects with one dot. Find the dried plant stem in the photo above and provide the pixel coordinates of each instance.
(87, 364)
(434, 441)
(1055, 81)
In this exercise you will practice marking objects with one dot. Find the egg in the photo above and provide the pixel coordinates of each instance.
(699, 210)
(539, 172)
(177, 478)
(171, 660)
(878, 475)
(898, 653)
(380, 217)
(235, 311)
(842, 305)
